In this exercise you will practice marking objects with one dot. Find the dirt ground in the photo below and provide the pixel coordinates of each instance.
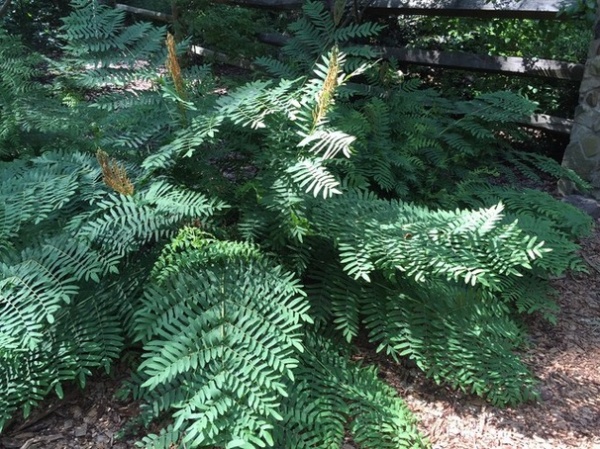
(566, 359)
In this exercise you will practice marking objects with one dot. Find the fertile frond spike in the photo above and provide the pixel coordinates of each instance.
(330, 82)
(114, 174)
(174, 68)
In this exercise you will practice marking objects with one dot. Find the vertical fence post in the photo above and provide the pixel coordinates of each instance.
(583, 152)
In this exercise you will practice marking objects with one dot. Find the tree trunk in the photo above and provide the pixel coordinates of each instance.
(583, 152)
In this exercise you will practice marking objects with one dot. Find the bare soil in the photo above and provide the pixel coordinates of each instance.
(565, 358)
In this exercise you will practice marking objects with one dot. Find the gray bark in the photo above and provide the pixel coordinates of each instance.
(583, 152)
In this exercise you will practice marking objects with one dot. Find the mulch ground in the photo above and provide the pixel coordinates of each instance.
(565, 358)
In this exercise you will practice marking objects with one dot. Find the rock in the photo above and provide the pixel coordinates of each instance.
(547, 394)
(588, 205)
(102, 440)
(91, 416)
(80, 431)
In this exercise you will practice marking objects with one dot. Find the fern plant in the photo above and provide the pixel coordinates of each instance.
(68, 287)
(409, 143)
(53, 309)
(246, 241)
(220, 325)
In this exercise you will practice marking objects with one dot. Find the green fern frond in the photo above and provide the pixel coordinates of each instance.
(471, 246)
(230, 325)
(166, 439)
(527, 162)
(97, 36)
(455, 335)
(311, 175)
(333, 397)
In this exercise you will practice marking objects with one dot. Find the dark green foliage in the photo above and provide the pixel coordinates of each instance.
(27, 109)
(82, 234)
(110, 52)
(507, 37)
(331, 396)
(246, 240)
(227, 28)
(37, 22)
(457, 335)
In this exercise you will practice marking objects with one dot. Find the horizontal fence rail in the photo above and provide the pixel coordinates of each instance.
(532, 67)
(504, 9)
(507, 65)
(524, 9)
(146, 13)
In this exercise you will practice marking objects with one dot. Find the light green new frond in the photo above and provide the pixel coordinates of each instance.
(472, 246)
(328, 143)
(314, 178)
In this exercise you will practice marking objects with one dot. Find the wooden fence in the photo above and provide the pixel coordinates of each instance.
(514, 66)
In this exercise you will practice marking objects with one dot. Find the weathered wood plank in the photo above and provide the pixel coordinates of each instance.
(266, 4)
(544, 68)
(145, 13)
(515, 9)
(519, 9)
(508, 65)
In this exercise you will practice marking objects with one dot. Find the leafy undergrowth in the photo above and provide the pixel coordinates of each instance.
(245, 241)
